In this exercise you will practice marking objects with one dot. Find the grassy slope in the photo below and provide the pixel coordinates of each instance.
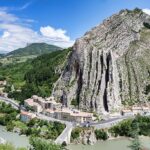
(29, 52)
(16, 59)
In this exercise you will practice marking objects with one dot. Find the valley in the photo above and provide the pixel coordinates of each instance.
(94, 91)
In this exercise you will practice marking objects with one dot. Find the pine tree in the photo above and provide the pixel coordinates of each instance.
(136, 145)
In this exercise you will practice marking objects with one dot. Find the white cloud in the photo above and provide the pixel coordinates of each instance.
(5, 34)
(16, 34)
(147, 11)
(54, 33)
(25, 6)
(6, 17)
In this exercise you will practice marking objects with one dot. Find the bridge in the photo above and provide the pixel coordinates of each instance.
(65, 135)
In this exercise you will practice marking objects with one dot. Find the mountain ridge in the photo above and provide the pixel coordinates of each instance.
(33, 49)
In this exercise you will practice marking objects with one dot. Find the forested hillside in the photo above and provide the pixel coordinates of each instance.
(35, 76)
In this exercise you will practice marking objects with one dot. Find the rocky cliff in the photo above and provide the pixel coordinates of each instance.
(109, 65)
(87, 136)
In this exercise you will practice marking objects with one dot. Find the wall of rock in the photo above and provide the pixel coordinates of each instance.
(109, 64)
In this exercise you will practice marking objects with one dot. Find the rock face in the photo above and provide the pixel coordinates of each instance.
(109, 65)
(87, 136)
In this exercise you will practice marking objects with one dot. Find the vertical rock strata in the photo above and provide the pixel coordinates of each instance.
(109, 64)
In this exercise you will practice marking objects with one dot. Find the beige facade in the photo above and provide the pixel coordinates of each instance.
(127, 112)
(146, 110)
(49, 113)
(53, 109)
(39, 104)
(137, 110)
(31, 104)
(69, 115)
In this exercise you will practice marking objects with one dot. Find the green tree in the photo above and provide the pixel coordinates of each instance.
(75, 133)
(101, 134)
(135, 145)
(9, 146)
(40, 144)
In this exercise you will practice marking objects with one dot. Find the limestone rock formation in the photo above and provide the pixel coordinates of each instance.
(109, 65)
(87, 136)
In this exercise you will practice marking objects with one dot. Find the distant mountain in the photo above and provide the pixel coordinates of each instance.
(3, 52)
(2, 55)
(34, 49)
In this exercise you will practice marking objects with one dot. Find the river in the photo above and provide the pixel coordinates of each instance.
(117, 144)
(14, 138)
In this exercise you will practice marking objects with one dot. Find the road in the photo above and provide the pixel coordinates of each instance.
(43, 117)
(65, 135)
(108, 123)
(10, 101)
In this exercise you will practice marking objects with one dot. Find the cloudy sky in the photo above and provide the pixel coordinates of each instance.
(57, 22)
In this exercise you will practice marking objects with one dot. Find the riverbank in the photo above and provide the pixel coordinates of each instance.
(116, 143)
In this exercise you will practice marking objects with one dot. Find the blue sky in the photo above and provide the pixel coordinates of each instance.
(57, 22)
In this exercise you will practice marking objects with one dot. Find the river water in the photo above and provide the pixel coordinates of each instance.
(117, 144)
(14, 138)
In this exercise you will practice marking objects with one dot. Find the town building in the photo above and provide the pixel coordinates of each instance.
(137, 110)
(3, 83)
(49, 113)
(38, 104)
(29, 103)
(51, 108)
(69, 115)
(146, 110)
(26, 116)
(115, 115)
(81, 117)
(127, 112)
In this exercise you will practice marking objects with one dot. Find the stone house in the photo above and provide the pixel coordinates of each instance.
(127, 112)
(26, 116)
